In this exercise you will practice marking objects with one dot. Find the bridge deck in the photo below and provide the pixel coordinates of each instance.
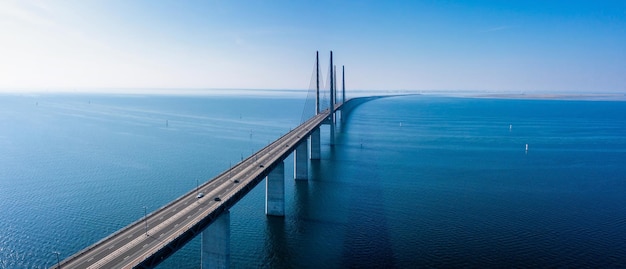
(176, 223)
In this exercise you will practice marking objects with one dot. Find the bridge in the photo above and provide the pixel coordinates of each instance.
(205, 210)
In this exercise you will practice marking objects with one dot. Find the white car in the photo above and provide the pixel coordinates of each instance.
(200, 195)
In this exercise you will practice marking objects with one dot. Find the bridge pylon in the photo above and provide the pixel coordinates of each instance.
(332, 100)
(315, 135)
(343, 84)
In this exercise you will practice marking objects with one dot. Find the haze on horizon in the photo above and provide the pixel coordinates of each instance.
(485, 45)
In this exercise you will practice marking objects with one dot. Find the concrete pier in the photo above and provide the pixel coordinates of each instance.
(215, 251)
(332, 129)
(301, 161)
(275, 191)
(315, 144)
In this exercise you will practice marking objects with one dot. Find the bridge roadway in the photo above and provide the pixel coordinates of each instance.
(173, 225)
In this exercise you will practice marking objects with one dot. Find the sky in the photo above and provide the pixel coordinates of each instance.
(422, 45)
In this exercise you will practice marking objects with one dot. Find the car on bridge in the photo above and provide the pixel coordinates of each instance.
(200, 195)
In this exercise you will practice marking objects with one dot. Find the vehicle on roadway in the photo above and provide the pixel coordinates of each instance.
(200, 195)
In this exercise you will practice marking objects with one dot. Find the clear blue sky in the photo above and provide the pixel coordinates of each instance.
(387, 45)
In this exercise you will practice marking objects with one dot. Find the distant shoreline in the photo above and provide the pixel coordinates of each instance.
(582, 97)
(303, 92)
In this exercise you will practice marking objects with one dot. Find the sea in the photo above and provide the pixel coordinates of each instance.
(420, 181)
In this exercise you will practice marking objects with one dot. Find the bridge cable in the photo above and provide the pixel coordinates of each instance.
(308, 110)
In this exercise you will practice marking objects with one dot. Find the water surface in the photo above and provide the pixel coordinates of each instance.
(411, 182)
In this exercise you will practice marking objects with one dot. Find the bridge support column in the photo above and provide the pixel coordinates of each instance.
(332, 129)
(275, 191)
(216, 243)
(315, 144)
(301, 161)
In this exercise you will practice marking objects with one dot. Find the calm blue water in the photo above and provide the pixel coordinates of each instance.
(412, 181)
